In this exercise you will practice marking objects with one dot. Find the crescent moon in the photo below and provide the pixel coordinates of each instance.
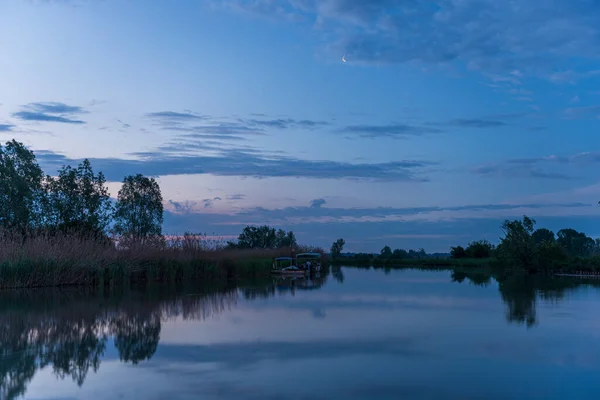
(344, 58)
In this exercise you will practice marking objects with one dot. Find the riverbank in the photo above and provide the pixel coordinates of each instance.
(430, 262)
(73, 261)
(579, 266)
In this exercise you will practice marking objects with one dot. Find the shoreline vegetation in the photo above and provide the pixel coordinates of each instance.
(65, 230)
(522, 248)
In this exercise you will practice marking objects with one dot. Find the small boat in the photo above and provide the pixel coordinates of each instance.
(309, 261)
(285, 266)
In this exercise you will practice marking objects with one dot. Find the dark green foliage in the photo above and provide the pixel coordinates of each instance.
(285, 239)
(78, 200)
(139, 211)
(263, 237)
(480, 249)
(575, 244)
(386, 252)
(21, 194)
(337, 247)
(399, 254)
(458, 252)
(517, 248)
(543, 235)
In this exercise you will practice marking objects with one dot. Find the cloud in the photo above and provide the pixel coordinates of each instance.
(50, 112)
(317, 203)
(513, 38)
(209, 202)
(173, 115)
(392, 131)
(285, 123)
(582, 112)
(476, 123)
(6, 127)
(236, 196)
(572, 77)
(532, 167)
(245, 163)
(183, 207)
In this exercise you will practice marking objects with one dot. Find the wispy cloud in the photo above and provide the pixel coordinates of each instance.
(208, 203)
(50, 112)
(6, 127)
(246, 163)
(583, 112)
(173, 115)
(538, 167)
(572, 77)
(397, 131)
(236, 196)
(476, 123)
(512, 39)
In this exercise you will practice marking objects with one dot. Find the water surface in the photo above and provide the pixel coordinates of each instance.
(351, 333)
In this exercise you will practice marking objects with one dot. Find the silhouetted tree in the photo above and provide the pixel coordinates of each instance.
(480, 249)
(263, 237)
(543, 235)
(285, 239)
(139, 211)
(337, 247)
(517, 248)
(575, 243)
(458, 252)
(21, 195)
(79, 200)
(386, 252)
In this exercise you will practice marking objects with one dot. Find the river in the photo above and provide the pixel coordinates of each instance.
(350, 333)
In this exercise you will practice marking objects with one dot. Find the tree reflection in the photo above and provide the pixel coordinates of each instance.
(69, 332)
(521, 292)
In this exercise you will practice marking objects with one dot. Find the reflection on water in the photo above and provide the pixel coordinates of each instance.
(221, 341)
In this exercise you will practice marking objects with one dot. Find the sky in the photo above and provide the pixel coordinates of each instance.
(409, 123)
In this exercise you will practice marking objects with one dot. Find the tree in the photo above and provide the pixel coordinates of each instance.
(337, 247)
(575, 243)
(79, 200)
(139, 211)
(21, 195)
(543, 235)
(458, 252)
(517, 248)
(399, 254)
(480, 249)
(386, 252)
(257, 237)
(285, 239)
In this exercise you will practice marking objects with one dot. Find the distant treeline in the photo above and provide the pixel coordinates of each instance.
(522, 246)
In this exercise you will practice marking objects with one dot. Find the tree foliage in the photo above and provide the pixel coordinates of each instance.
(543, 235)
(337, 247)
(517, 247)
(480, 249)
(458, 252)
(575, 244)
(78, 200)
(264, 237)
(139, 211)
(21, 195)
(386, 252)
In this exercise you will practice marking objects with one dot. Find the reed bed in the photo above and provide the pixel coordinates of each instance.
(67, 260)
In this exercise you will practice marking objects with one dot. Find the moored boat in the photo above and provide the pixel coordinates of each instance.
(285, 266)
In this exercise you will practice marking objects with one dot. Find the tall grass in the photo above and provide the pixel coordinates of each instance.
(59, 260)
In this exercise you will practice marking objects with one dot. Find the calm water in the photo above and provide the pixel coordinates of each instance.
(352, 334)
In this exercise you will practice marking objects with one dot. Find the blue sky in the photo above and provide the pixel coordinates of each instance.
(447, 117)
